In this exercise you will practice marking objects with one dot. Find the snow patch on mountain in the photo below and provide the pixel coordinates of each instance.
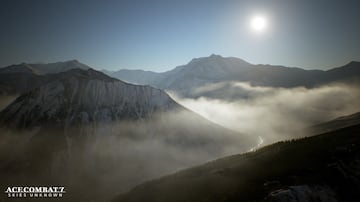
(77, 99)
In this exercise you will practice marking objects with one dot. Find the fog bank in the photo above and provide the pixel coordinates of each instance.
(271, 113)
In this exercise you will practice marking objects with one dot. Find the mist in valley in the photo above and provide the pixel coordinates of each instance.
(273, 114)
(110, 158)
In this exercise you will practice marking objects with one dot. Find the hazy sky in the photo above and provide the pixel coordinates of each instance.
(161, 34)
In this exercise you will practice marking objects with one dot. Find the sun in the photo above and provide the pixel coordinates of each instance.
(258, 23)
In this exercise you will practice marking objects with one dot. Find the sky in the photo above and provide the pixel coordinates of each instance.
(159, 35)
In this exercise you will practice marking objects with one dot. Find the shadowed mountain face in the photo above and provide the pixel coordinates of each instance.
(43, 69)
(82, 128)
(18, 79)
(320, 168)
(215, 69)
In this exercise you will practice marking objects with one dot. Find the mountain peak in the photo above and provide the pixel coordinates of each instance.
(44, 68)
(352, 69)
(57, 67)
(84, 96)
(211, 58)
(87, 74)
(351, 63)
(19, 68)
(74, 61)
(215, 56)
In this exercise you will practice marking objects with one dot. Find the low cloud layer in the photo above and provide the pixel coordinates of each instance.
(271, 113)
(113, 157)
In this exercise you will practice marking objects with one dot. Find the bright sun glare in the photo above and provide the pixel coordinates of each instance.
(258, 23)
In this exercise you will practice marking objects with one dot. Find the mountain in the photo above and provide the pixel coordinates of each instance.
(79, 96)
(319, 168)
(88, 98)
(42, 69)
(350, 70)
(201, 71)
(197, 72)
(185, 79)
(215, 69)
(20, 78)
(82, 128)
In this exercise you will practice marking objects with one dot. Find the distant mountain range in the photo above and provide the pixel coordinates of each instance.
(186, 79)
(215, 68)
(73, 125)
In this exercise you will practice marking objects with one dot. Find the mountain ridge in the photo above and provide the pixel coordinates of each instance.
(215, 68)
(21, 78)
(44, 68)
(184, 79)
(90, 90)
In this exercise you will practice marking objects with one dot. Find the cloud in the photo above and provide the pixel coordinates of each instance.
(271, 113)
(113, 157)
